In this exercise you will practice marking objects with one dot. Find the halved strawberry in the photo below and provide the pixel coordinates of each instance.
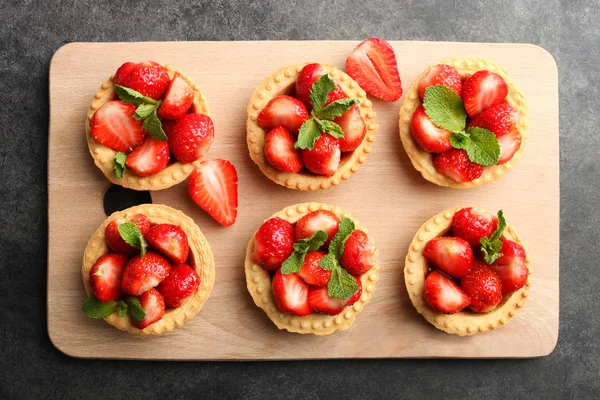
(273, 243)
(511, 267)
(319, 301)
(356, 296)
(105, 276)
(291, 293)
(319, 220)
(451, 255)
(359, 253)
(283, 111)
(170, 240)
(455, 164)
(149, 158)
(499, 119)
(154, 306)
(114, 239)
(113, 126)
(182, 282)
(306, 78)
(472, 224)
(143, 273)
(482, 90)
(147, 77)
(324, 158)
(311, 272)
(483, 286)
(441, 74)
(177, 100)
(427, 135)
(354, 127)
(372, 64)
(213, 185)
(280, 151)
(443, 295)
(191, 136)
(509, 145)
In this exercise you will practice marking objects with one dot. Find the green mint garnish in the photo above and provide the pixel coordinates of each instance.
(481, 145)
(119, 163)
(94, 308)
(301, 247)
(308, 134)
(145, 111)
(135, 309)
(132, 97)
(320, 91)
(341, 285)
(490, 246)
(335, 109)
(153, 126)
(133, 236)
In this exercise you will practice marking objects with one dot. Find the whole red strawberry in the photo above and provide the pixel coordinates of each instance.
(273, 243)
(143, 273)
(191, 136)
(443, 295)
(324, 158)
(181, 283)
(511, 267)
(451, 255)
(319, 220)
(307, 77)
(170, 240)
(154, 306)
(484, 288)
(441, 74)
(105, 276)
(359, 253)
(147, 77)
(311, 272)
(114, 239)
(455, 164)
(472, 224)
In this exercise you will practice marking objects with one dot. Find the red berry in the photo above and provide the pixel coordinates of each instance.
(177, 100)
(451, 255)
(273, 243)
(280, 151)
(143, 273)
(181, 283)
(499, 119)
(441, 74)
(306, 78)
(319, 220)
(169, 240)
(482, 90)
(427, 135)
(455, 164)
(359, 253)
(114, 239)
(483, 286)
(283, 111)
(354, 127)
(148, 78)
(511, 267)
(324, 158)
(472, 224)
(149, 158)
(320, 302)
(509, 144)
(443, 295)
(356, 296)
(291, 294)
(154, 306)
(113, 126)
(311, 272)
(105, 276)
(191, 136)
(123, 73)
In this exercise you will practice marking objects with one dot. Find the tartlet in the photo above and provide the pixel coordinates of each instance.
(422, 160)
(282, 82)
(174, 173)
(258, 283)
(200, 253)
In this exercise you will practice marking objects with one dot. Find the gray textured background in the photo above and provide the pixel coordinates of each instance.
(30, 32)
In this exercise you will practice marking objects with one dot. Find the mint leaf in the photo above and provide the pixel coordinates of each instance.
(153, 126)
(315, 241)
(320, 91)
(133, 237)
(491, 245)
(132, 97)
(328, 262)
(294, 262)
(119, 163)
(330, 127)
(308, 134)
(335, 109)
(144, 110)
(94, 308)
(341, 285)
(336, 247)
(459, 140)
(483, 148)
(135, 309)
(445, 108)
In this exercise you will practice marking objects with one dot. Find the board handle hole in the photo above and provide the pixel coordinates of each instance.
(118, 198)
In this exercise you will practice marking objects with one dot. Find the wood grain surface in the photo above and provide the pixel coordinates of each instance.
(387, 195)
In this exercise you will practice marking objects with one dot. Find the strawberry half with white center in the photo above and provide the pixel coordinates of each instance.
(483, 286)
(359, 253)
(455, 164)
(324, 158)
(273, 243)
(472, 224)
(482, 90)
(372, 64)
(114, 239)
(283, 111)
(441, 74)
(509, 145)
(451, 255)
(354, 127)
(443, 295)
(511, 267)
(320, 302)
(181, 283)
(280, 151)
(427, 135)
(154, 306)
(105, 276)
(149, 158)
(499, 119)
(311, 272)
(177, 100)
(319, 220)
(213, 185)
(113, 126)
(307, 77)
(291, 294)
(170, 240)
(191, 136)
(143, 273)
(147, 77)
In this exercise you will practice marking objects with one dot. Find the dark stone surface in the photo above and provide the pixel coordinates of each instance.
(31, 31)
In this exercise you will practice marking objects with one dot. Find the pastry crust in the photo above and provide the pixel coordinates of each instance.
(173, 173)
(283, 81)
(199, 249)
(464, 323)
(423, 161)
(259, 284)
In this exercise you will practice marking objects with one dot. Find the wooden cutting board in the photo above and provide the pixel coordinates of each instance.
(387, 195)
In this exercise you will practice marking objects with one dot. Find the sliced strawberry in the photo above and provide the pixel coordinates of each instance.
(154, 306)
(149, 158)
(123, 73)
(213, 185)
(291, 294)
(307, 77)
(372, 64)
(280, 151)
(147, 77)
(482, 90)
(319, 220)
(105, 276)
(324, 158)
(181, 283)
(311, 272)
(143, 273)
(455, 164)
(283, 111)
(114, 239)
(354, 127)
(509, 145)
(113, 126)
(359, 253)
(451, 255)
(483, 286)
(499, 118)
(191, 136)
(511, 267)
(177, 100)
(356, 296)
(170, 240)
(273, 243)
(319, 301)
(427, 135)
(441, 74)
(472, 224)
(443, 295)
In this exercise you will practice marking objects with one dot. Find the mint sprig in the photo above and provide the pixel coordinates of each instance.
(481, 145)
(132, 235)
(94, 308)
(145, 111)
(491, 245)
(294, 262)
(119, 163)
(135, 309)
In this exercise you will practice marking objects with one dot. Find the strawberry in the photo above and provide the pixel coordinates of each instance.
(511, 267)
(105, 276)
(455, 164)
(177, 100)
(280, 151)
(123, 73)
(472, 224)
(170, 240)
(320, 220)
(356, 296)
(509, 144)
(311, 272)
(273, 243)
(483, 286)
(324, 158)
(114, 239)
(147, 77)
(443, 295)
(149, 158)
(307, 77)
(441, 74)
(451, 255)
(154, 306)
(354, 127)
(482, 90)
(319, 301)
(113, 126)
(143, 273)
(191, 136)
(359, 253)
(499, 118)
(213, 185)
(181, 283)
(291, 294)
(283, 111)
(427, 135)
(372, 64)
